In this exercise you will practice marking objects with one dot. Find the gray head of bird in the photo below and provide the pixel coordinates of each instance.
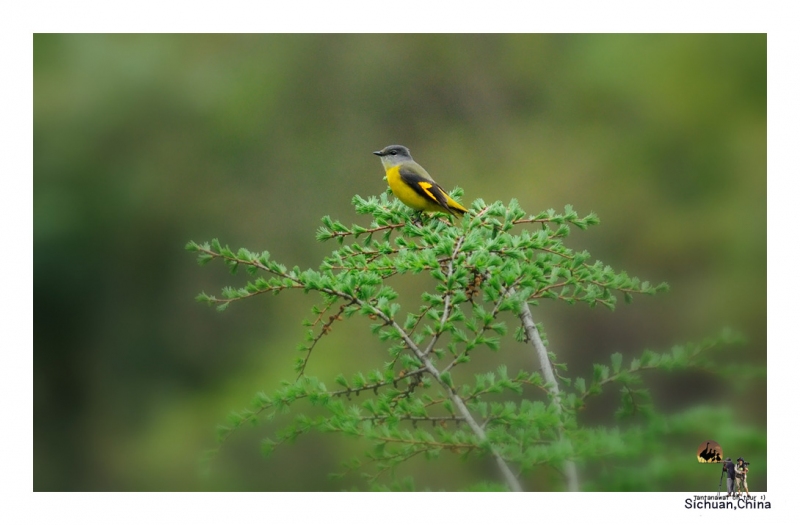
(393, 155)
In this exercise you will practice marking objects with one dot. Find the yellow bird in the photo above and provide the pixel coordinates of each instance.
(412, 185)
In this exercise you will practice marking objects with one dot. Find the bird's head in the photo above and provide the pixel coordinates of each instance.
(393, 155)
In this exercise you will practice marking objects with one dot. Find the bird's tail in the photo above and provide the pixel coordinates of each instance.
(455, 208)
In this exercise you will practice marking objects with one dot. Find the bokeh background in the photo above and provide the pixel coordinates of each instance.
(143, 142)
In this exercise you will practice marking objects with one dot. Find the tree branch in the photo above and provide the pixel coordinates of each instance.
(571, 470)
(511, 479)
(446, 310)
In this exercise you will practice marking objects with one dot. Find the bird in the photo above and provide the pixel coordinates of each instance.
(412, 185)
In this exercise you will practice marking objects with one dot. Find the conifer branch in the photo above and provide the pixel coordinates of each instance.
(509, 476)
(480, 269)
(447, 295)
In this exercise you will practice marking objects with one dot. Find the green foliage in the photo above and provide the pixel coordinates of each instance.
(498, 259)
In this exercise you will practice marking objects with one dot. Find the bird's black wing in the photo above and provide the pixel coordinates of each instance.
(424, 187)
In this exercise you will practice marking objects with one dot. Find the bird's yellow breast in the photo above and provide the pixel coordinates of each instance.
(406, 194)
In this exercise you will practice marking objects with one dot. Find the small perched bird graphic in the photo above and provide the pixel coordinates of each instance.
(412, 185)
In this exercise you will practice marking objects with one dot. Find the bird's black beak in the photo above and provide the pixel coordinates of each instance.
(378, 153)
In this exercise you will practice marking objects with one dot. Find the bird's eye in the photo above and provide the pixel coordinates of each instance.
(393, 152)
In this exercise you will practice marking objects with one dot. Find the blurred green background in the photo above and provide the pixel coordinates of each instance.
(143, 142)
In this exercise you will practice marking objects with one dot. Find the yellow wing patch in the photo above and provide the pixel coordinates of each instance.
(426, 186)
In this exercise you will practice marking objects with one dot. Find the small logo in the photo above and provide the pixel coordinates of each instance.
(709, 452)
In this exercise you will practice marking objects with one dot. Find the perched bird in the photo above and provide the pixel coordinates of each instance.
(412, 185)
